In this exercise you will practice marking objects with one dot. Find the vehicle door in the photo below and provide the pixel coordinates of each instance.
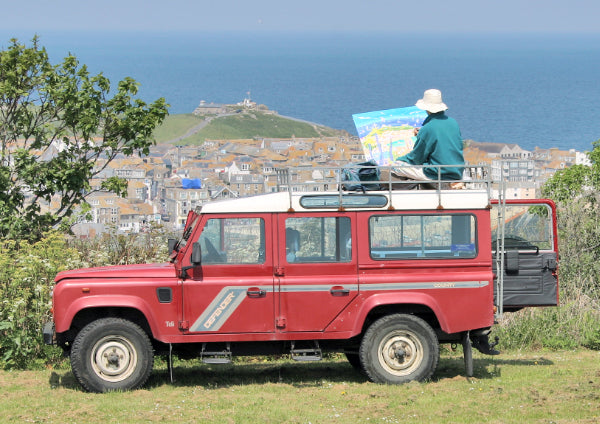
(316, 272)
(232, 290)
(530, 260)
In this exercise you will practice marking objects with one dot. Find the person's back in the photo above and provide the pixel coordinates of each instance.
(439, 143)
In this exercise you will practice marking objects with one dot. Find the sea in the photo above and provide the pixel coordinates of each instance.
(534, 90)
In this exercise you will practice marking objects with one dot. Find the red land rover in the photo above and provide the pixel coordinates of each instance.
(383, 276)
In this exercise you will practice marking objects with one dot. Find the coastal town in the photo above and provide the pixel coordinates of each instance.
(174, 179)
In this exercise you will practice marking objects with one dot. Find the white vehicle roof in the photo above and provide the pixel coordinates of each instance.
(373, 200)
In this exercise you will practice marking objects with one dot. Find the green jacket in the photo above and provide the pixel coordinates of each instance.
(438, 143)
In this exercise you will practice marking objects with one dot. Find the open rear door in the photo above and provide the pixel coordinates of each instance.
(530, 261)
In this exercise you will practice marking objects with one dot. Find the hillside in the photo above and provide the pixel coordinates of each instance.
(189, 129)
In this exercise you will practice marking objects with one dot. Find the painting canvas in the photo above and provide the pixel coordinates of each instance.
(388, 134)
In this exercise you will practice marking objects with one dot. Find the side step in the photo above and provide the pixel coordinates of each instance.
(216, 357)
(311, 353)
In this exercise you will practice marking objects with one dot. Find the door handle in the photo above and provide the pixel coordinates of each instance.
(255, 292)
(339, 291)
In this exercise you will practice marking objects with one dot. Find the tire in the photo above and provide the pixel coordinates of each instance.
(111, 354)
(354, 360)
(399, 348)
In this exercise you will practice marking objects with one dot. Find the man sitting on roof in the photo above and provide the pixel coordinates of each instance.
(438, 143)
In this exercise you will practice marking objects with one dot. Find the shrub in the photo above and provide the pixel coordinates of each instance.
(575, 323)
(113, 248)
(27, 271)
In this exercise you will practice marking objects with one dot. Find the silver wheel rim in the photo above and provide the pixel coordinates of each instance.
(400, 353)
(114, 358)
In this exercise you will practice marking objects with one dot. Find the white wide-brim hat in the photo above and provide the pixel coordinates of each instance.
(432, 101)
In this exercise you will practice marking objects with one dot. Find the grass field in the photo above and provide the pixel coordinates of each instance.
(524, 387)
(176, 126)
(187, 129)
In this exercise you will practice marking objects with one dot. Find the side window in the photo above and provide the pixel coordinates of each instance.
(233, 241)
(422, 236)
(318, 239)
(526, 227)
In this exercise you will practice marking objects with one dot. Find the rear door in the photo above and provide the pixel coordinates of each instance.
(316, 273)
(530, 260)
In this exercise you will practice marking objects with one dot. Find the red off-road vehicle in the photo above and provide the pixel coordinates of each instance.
(383, 276)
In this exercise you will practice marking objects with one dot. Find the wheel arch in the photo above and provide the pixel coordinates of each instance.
(418, 304)
(87, 315)
(422, 311)
(112, 304)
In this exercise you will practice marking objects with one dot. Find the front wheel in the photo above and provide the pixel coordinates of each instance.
(111, 354)
(399, 348)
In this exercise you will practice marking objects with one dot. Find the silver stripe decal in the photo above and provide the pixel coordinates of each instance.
(229, 298)
(424, 286)
(222, 307)
(315, 288)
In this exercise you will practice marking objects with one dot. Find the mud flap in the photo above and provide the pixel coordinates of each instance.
(467, 353)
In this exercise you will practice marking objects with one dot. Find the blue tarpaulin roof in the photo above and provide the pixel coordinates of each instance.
(191, 183)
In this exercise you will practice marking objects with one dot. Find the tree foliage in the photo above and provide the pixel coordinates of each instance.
(59, 128)
(577, 192)
(576, 182)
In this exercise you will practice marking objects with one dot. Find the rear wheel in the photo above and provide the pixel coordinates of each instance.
(111, 354)
(399, 348)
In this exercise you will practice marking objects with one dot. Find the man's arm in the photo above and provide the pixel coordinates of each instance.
(420, 152)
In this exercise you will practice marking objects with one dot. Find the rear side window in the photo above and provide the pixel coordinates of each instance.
(422, 236)
(233, 241)
(318, 239)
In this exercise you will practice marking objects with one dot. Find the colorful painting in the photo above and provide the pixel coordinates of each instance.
(388, 134)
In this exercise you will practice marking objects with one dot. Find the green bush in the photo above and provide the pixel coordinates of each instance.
(112, 248)
(27, 272)
(575, 323)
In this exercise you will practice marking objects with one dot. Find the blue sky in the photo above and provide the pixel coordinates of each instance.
(563, 16)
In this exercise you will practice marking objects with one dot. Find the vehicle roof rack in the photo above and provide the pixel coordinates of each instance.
(334, 179)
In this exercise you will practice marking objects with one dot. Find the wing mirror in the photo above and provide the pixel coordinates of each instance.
(171, 246)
